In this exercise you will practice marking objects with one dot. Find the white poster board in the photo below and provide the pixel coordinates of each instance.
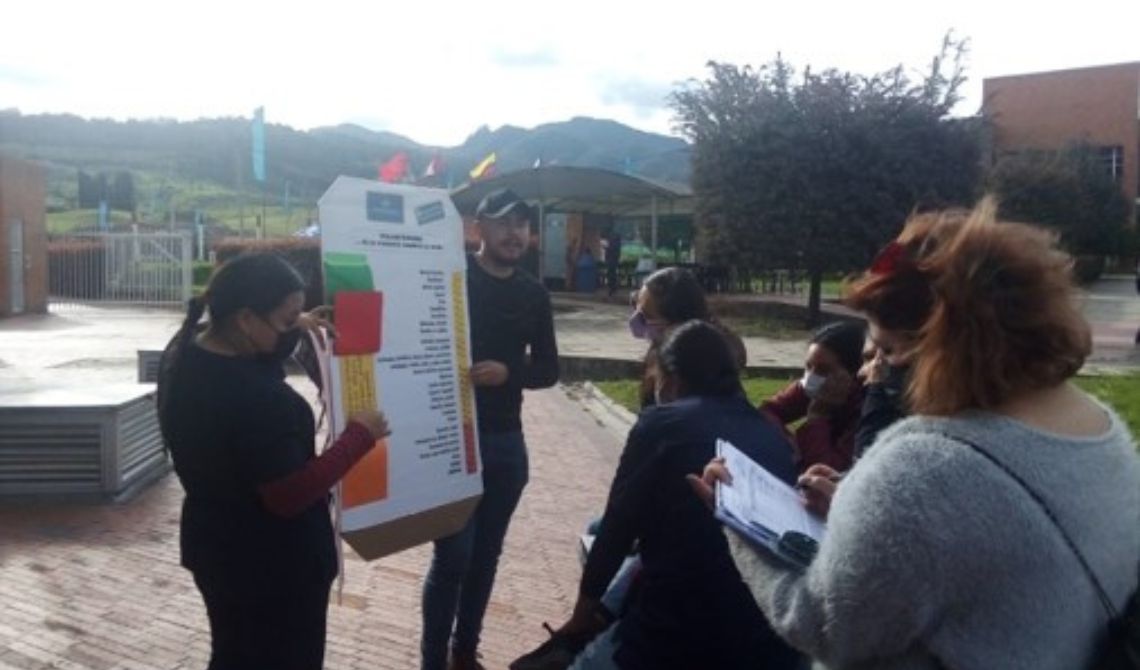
(394, 268)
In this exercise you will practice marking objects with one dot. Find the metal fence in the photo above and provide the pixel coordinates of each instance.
(147, 269)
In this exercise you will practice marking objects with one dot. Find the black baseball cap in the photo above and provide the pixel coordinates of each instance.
(500, 203)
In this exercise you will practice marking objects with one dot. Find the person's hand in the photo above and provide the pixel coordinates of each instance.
(874, 371)
(833, 394)
(316, 320)
(705, 485)
(489, 373)
(374, 421)
(589, 617)
(818, 485)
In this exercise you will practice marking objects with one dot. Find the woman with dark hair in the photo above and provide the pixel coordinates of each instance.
(999, 526)
(691, 610)
(828, 398)
(256, 532)
(667, 299)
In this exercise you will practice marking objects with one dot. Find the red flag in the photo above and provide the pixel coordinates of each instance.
(395, 169)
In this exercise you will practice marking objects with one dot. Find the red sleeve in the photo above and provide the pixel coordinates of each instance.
(294, 493)
(816, 444)
(787, 406)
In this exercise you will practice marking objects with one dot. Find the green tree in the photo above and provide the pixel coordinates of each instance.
(816, 172)
(1070, 191)
(123, 192)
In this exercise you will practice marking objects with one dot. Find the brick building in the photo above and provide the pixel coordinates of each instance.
(23, 238)
(1099, 106)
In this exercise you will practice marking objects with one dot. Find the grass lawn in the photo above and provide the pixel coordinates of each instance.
(624, 391)
(771, 327)
(280, 223)
(1122, 393)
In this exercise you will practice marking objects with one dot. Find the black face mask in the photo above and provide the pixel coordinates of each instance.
(897, 377)
(283, 348)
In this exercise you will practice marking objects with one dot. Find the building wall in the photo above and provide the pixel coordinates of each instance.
(22, 198)
(1049, 110)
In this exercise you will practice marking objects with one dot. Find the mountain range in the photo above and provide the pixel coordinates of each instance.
(186, 166)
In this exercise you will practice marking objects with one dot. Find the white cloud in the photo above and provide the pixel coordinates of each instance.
(434, 71)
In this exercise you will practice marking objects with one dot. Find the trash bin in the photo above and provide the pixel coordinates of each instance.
(586, 274)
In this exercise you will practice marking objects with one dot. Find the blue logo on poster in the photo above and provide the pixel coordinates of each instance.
(385, 207)
(430, 213)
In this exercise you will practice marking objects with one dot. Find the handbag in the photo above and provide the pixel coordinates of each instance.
(1120, 649)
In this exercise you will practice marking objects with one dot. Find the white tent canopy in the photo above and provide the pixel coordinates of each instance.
(577, 189)
(581, 189)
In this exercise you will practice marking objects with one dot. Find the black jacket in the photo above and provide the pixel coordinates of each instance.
(692, 609)
(233, 424)
(511, 322)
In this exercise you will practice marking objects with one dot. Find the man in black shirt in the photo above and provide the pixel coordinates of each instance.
(509, 314)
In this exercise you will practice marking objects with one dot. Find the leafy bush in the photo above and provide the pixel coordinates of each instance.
(304, 254)
(1088, 268)
(201, 272)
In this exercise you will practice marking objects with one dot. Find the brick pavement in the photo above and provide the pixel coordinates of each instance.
(100, 588)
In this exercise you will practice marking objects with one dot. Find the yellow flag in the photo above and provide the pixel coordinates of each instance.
(485, 168)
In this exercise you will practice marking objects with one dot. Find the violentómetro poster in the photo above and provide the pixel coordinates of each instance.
(394, 269)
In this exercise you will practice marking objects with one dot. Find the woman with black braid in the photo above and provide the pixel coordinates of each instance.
(256, 532)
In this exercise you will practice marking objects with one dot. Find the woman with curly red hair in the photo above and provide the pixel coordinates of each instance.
(999, 526)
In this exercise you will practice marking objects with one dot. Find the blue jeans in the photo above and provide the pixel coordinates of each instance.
(614, 599)
(458, 584)
(599, 654)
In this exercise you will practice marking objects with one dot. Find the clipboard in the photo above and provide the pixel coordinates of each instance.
(766, 511)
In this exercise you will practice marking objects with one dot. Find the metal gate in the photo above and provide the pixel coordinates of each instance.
(146, 269)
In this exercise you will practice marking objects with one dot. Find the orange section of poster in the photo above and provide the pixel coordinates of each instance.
(367, 481)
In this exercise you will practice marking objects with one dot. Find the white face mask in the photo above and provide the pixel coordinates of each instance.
(812, 383)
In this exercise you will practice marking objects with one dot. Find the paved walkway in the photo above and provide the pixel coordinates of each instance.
(600, 329)
(99, 345)
(592, 327)
(100, 588)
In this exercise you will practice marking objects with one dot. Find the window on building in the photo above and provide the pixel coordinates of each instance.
(1112, 158)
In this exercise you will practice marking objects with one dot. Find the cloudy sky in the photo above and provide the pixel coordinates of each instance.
(434, 70)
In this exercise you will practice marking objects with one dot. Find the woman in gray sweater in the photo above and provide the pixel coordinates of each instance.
(936, 555)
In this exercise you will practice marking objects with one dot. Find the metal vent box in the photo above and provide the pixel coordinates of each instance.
(91, 442)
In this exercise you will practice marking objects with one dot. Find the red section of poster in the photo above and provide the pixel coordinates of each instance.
(358, 316)
(469, 447)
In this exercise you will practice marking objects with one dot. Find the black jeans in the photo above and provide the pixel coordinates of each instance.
(462, 574)
(255, 626)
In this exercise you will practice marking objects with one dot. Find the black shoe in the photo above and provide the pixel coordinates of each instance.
(464, 661)
(557, 653)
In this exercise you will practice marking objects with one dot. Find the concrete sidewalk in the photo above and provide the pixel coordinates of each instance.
(100, 588)
(99, 345)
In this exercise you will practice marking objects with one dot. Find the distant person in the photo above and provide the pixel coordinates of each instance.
(1137, 338)
(256, 532)
(613, 260)
(827, 401)
(513, 348)
(999, 526)
(692, 610)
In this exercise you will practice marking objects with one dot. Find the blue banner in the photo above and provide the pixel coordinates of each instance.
(259, 144)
